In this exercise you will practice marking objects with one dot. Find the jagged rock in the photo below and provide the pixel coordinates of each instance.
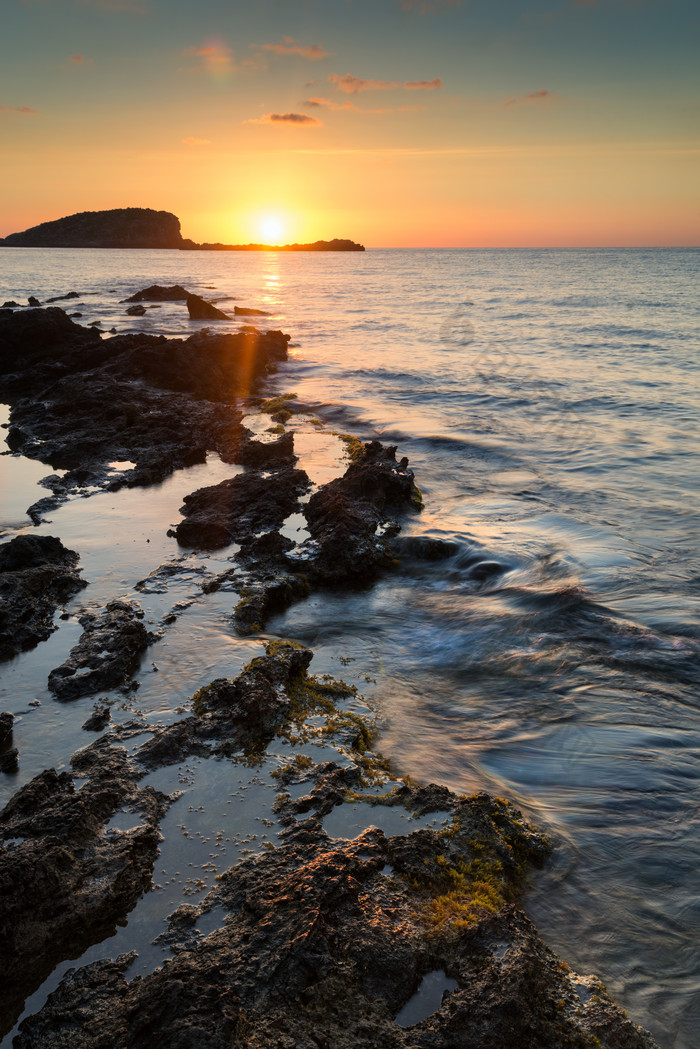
(7, 720)
(201, 310)
(9, 761)
(246, 311)
(159, 293)
(264, 455)
(11, 305)
(98, 720)
(239, 507)
(136, 311)
(37, 574)
(66, 884)
(107, 654)
(33, 301)
(343, 516)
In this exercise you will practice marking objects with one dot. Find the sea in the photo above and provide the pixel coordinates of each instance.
(548, 401)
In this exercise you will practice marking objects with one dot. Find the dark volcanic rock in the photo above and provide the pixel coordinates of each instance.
(79, 402)
(201, 310)
(117, 228)
(63, 298)
(37, 574)
(65, 884)
(7, 720)
(107, 654)
(344, 515)
(246, 311)
(159, 293)
(136, 311)
(323, 950)
(239, 507)
(9, 761)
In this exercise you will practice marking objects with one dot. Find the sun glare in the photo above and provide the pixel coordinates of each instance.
(271, 230)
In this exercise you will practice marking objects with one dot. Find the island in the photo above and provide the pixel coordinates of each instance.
(139, 228)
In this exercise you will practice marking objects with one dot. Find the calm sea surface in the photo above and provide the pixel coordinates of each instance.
(549, 402)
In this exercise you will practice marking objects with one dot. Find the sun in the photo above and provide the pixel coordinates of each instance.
(271, 229)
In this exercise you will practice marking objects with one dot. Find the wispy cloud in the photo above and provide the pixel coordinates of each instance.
(289, 46)
(353, 85)
(293, 119)
(24, 110)
(215, 58)
(424, 85)
(533, 97)
(336, 107)
(80, 60)
(196, 142)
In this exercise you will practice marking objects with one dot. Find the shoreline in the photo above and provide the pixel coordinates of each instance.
(100, 762)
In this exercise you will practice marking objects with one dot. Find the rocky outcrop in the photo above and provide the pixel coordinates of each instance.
(201, 310)
(159, 293)
(37, 575)
(107, 654)
(117, 228)
(80, 402)
(64, 881)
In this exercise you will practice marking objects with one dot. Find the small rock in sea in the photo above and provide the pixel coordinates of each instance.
(61, 298)
(33, 301)
(34, 703)
(9, 762)
(75, 314)
(200, 309)
(136, 311)
(7, 720)
(245, 311)
(11, 305)
(157, 293)
(97, 720)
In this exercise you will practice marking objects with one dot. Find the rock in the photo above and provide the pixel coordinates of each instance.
(66, 884)
(7, 720)
(236, 509)
(117, 228)
(343, 516)
(245, 311)
(10, 305)
(62, 298)
(159, 293)
(9, 761)
(33, 301)
(263, 455)
(323, 949)
(37, 575)
(136, 311)
(98, 720)
(107, 654)
(200, 309)
(82, 402)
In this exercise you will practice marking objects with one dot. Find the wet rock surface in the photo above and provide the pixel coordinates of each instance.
(64, 882)
(79, 402)
(37, 575)
(201, 310)
(160, 293)
(107, 654)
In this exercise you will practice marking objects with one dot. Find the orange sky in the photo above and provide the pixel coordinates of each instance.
(396, 123)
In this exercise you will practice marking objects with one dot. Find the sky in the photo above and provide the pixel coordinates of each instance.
(396, 123)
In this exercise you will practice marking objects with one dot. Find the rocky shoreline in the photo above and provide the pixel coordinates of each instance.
(372, 884)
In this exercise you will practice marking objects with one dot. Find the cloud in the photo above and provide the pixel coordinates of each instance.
(215, 58)
(533, 97)
(80, 60)
(289, 46)
(424, 85)
(352, 85)
(24, 110)
(196, 142)
(336, 107)
(294, 119)
(424, 7)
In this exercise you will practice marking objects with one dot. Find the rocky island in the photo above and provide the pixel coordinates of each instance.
(139, 228)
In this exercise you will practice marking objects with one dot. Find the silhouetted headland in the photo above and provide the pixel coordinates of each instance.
(139, 228)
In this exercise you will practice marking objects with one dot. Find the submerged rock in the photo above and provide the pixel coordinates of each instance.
(107, 654)
(246, 311)
(37, 575)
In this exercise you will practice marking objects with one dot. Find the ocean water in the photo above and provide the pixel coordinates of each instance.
(549, 403)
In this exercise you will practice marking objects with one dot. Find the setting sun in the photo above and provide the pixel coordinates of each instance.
(271, 229)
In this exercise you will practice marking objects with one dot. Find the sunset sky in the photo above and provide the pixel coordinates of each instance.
(392, 122)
